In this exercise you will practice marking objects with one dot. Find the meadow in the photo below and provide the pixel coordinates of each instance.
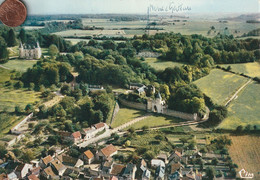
(220, 85)
(245, 109)
(125, 115)
(19, 64)
(250, 69)
(245, 152)
(157, 120)
(161, 65)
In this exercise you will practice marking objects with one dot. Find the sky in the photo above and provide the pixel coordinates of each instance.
(138, 6)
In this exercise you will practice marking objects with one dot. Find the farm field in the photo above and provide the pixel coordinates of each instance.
(20, 65)
(220, 85)
(245, 152)
(250, 69)
(161, 65)
(125, 115)
(80, 33)
(157, 120)
(245, 109)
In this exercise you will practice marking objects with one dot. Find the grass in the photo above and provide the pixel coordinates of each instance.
(125, 115)
(245, 109)
(156, 120)
(245, 151)
(20, 65)
(161, 65)
(220, 85)
(250, 69)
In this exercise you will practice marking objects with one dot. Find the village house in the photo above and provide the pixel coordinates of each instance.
(106, 152)
(76, 137)
(129, 171)
(3, 176)
(70, 161)
(157, 162)
(88, 157)
(163, 157)
(44, 162)
(159, 173)
(107, 167)
(33, 177)
(146, 175)
(58, 167)
(48, 173)
(117, 170)
(35, 171)
(89, 133)
(101, 126)
(175, 171)
(22, 170)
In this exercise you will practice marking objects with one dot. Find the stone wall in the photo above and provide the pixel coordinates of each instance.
(134, 105)
(116, 110)
(181, 115)
(15, 129)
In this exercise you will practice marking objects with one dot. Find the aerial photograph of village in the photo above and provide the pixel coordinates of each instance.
(131, 90)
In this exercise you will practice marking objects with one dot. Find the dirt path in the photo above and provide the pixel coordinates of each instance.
(238, 91)
(4, 67)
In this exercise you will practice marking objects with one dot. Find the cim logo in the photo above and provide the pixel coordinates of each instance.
(246, 175)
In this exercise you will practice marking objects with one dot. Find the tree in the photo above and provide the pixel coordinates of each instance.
(210, 173)
(22, 35)
(183, 140)
(3, 151)
(53, 50)
(11, 39)
(214, 161)
(29, 108)
(145, 128)
(53, 140)
(27, 156)
(239, 129)
(18, 110)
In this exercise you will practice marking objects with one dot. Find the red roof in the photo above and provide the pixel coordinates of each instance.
(33, 177)
(178, 153)
(107, 151)
(114, 178)
(99, 125)
(89, 154)
(47, 159)
(76, 135)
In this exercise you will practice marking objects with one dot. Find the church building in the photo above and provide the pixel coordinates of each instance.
(30, 51)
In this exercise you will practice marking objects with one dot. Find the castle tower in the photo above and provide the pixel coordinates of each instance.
(38, 51)
(21, 50)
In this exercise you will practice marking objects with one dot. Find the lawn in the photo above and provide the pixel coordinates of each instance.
(156, 120)
(125, 115)
(220, 85)
(20, 65)
(245, 152)
(161, 65)
(245, 109)
(250, 69)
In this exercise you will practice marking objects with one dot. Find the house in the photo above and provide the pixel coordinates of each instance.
(22, 170)
(36, 171)
(129, 171)
(88, 157)
(135, 86)
(12, 176)
(106, 152)
(117, 170)
(89, 133)
(70, 161)
(58, 167)
(44, 162)
(175, 171)
(157, 162)
(176, 156)
(113, 178)
(156, 105)
(30, 51)
(76, 137)
(100, 126)
(143, 165)
(106, 168)
(159, 173)
(33, 177)
(48, 173)
(146, 175)
(163, 157)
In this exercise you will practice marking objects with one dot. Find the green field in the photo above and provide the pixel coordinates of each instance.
(220, 85)
(161, 65)
(125, 115)
(157, 120)
(245, 109)
(20, 65)
(9, 98)
(250, 69)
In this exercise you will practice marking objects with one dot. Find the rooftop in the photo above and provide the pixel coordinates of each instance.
(47, 159)
(58, 165)
(110, 149)
(76, 135)
(49, 171)
(89, 154)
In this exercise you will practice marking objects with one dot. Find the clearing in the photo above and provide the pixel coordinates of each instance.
(245, 109)
(125, 115)
(250, 69)
(220, 85)
(161, 65)
(245, 152)
(20, 65)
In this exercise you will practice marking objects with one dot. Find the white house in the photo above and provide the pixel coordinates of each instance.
(22, 170)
